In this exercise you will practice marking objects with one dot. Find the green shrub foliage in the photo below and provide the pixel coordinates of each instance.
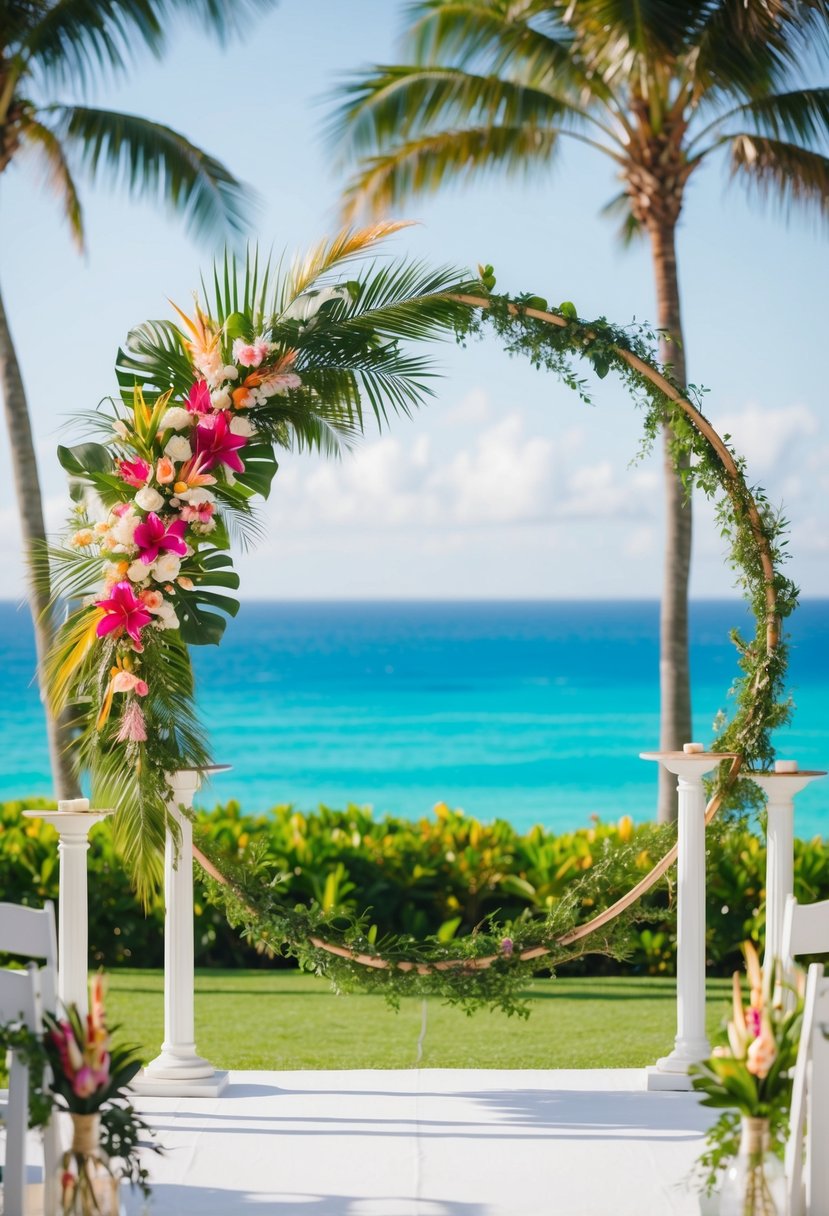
(442, 874)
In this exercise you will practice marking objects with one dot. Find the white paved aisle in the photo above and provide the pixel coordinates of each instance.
(427, 1142)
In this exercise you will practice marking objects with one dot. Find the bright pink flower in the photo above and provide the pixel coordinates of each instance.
(198, 399)
(83, 1082)
(753, 1021)
(134, 472)
(154, 536)
(199, 512)
(121, 508)
(133, 727)
(215, 442)
(122, 611)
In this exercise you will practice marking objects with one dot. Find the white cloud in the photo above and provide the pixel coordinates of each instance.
(767, 437)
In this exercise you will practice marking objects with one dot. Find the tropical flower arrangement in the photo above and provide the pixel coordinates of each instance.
(187, 446)
(76, 1067)
(750, 1080)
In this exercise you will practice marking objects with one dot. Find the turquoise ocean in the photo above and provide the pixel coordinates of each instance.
(534, 712)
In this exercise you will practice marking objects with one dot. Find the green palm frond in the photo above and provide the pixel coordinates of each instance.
(42, 141)
(747, 49)
(153, 357)
(77, 38)
(630, 229)
(453, 157)
(801, 115)
(782, 173)
(152, 160)
(621, 31)
(401, 102)
(495, 38)
(348, 244)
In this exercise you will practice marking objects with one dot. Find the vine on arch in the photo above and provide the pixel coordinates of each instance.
(190, 443)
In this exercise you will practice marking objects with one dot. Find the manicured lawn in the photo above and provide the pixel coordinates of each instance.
(285, 1020)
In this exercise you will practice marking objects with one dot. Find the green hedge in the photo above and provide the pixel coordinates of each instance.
(440, 874)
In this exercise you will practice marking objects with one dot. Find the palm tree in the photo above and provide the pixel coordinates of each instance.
(659, 87)
(46, 45)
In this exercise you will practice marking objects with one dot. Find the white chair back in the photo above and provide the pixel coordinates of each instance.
(807, 1162)
(30, 933)
(805, 929)
(19, 999)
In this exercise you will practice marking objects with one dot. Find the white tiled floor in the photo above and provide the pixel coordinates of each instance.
(427, 1143)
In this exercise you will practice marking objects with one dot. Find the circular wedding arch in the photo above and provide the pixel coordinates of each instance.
(755, 554)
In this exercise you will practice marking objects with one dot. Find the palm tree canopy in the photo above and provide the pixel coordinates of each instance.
(657, 85)
(47, 45)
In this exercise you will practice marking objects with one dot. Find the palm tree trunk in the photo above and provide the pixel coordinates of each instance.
(674, 666)
(27, 486)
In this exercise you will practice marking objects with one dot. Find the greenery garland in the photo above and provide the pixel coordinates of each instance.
(190, 409)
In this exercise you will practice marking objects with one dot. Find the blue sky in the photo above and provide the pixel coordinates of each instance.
(505, 485)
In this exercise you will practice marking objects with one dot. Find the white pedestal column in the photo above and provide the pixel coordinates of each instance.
(691, 1043)
(179, 1071)
(73, 820)
(780, 788)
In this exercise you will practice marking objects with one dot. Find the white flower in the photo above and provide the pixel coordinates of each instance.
(230, 372)
(220, 399)
(119, 428)
(177, 448)
(166, 568)
(149, 499)
(202, 529)
(240, 425)
(138, 572)
(230, 477)
(175, 419)
(166, 616)
(197, 495)
(122, 528)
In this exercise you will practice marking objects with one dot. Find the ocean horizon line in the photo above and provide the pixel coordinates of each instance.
(474, 599)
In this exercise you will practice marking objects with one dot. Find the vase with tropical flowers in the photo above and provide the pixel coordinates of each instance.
(750, 1077)
(89, 1078)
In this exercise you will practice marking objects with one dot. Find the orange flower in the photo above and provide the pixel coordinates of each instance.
(165, 471)
(191, 476)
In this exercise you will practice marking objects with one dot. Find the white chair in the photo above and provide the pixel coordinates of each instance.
(19, 999)
(805, 929)
(808, 1181)
(30, 933)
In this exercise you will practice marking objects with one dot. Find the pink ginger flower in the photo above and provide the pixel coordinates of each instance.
(83, 1082)
(215, 443)
(250, 354)
(133, 728)
(134, 472)
(154, 537)
(753, 1021)
(122, 611)
(198, 399)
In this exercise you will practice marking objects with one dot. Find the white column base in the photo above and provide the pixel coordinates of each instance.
(657, 1081)
(148, 1084)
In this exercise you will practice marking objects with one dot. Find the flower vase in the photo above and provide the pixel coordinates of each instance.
(87, 1185)
(754, 1183)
